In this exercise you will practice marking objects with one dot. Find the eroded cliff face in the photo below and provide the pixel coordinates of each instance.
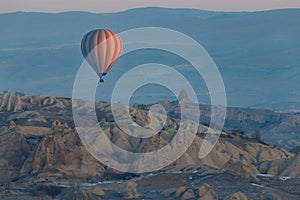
(17, 103)
(274, 128)
(59, 153)
(52, 149)
(40, 147)
(282, 167)
(14, 150)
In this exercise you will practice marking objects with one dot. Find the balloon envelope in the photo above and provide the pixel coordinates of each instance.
(101, 48)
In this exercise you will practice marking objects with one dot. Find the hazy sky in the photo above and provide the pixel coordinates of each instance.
(118, 5)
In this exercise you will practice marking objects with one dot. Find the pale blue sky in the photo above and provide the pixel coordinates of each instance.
(119, 5)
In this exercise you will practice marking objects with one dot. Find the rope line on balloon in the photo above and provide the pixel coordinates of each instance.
(101, 75)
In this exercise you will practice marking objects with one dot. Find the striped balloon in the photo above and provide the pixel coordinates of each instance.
(101, 48)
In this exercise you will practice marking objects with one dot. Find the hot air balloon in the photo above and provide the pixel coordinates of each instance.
(101, 49)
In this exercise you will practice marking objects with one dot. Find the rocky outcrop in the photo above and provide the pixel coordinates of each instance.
(205, 192)
(274, 128)
(17, 103)
(168, 192)
(61, 151)
(74, 193)
(33, 130)
(30, 116)
(97, 191)
(180, 191)
(14, 150)
(237, 159)
(57, 152)
(282, 167)
(184, 97)
(12, 126)
(188, 194)
(60, 154)
(130, 191)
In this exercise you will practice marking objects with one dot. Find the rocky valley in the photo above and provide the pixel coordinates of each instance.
(42, 156)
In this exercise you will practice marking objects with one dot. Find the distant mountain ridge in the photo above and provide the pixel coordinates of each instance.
(257, 52)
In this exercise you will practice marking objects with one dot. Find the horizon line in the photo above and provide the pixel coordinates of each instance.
(153, 7)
